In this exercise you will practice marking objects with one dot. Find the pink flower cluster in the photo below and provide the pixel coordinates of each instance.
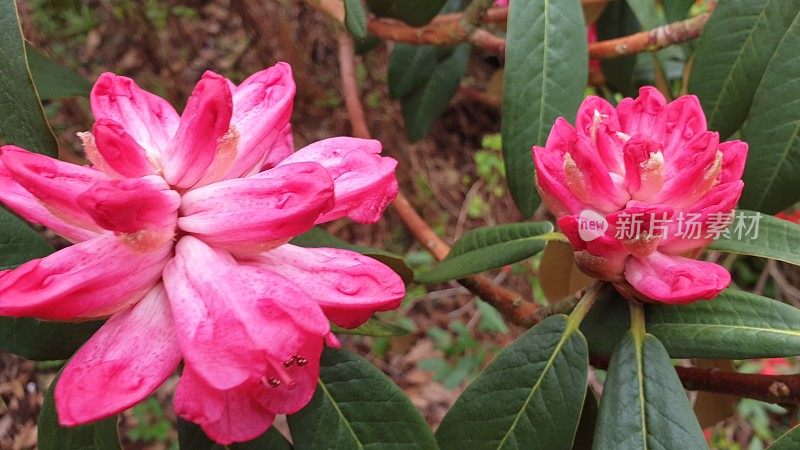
(645, 158)
(180, 228)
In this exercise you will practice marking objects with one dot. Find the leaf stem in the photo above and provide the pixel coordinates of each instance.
(637, 320)
(584, 305)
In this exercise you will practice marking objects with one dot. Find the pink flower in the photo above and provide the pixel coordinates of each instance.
(180, 230)
(645, 164)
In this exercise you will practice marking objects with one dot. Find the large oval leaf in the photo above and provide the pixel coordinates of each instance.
(735, 325)
(100, 435)
(22, 121)
(54, 80)
(355, 407)
(545, 74)
(643, 403)
(192, 437)
(772, 174)
(489, 248)
(789, 441)
(731, 58)
(776, 239)
(18, 242)
(529, 397)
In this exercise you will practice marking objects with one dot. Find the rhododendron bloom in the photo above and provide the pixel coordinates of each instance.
(646, 164)
(180, 229)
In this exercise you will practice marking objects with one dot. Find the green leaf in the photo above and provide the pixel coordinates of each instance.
(789, 441)
(422, 107)
(18, 242)
(373, 327)
(776, 239)
(529, 397)
(489, 248)
(643, 403)
(355, 19)
(412, 12)
(100, 435)
(732, 55)
(357, 406)
(772, 174)
(676, 10)
(545, 75)
(735, 325)
(22, 121)
(618, 20)
(411, 66)
(53, 80)
(192, 437)
(317, 237)
(39, 340)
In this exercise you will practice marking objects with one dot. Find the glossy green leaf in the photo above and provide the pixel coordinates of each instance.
(529, 397)
(412, 12)
(618, 20)
(22, 121)
(776, 239)
(100, 435)
(355, 18)
(373, 327)
(545, 75)
(675, 10)
(53, 80)
(40, 340)
(772, 174)
(18, 242)
(735, 325)
(489, 248)
(732, 55)
(356, 407)
(423, 106)
(643, 403)
(411, 66)
(192, 437)
(789, 441)
(317, 237)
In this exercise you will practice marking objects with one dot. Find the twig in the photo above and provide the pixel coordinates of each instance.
(451, 29)
(511, 304)
(784, 389)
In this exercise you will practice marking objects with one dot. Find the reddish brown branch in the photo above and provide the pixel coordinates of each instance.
(451, 29)
(512, 305)
(784, 389)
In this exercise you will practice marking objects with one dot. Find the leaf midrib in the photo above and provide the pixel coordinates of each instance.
(340, 414)
(565, 335)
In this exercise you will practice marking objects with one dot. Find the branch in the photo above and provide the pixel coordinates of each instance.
(783, 389)
(511, 304)
(457, 28)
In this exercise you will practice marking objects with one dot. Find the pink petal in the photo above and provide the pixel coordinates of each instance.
(550, 177)
(113, 148)
(691, 173)
(147, 118)
(645, 116)
(602, 257)
(597, 120)
(124, 362)
(278, 150)
(349, 286)
(143, 205)
(236, 322)
(54, 183)
(91, 279)
(249, 215)
(685, 120)
(644, 168)
(364, 183)
(589, 179)
(720, 199)
(22, 202)
(206, 119)
(734, 156)
(676, 280)
(226, 416)
(262, 106)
